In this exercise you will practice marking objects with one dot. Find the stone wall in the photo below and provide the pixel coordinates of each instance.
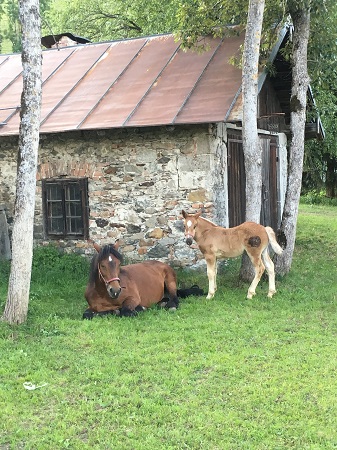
(139, 180)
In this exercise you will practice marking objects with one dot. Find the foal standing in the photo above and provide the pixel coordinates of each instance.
(218, 242)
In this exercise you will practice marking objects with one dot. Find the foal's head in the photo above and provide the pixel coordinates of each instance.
(108, 262)
(190, 224)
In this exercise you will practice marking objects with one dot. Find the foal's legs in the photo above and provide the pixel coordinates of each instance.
(271, 272)
(259, 269)
(211, 273)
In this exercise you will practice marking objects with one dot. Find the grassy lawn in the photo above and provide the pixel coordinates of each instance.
(227, 373)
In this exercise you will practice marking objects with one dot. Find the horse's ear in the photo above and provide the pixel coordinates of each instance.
(117, 244)
(97, 247)
(198, 214)
(184, 214)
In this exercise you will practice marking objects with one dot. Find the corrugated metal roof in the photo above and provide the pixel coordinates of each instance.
(132, 83)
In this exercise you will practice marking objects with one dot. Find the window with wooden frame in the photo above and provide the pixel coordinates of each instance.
(65, 206)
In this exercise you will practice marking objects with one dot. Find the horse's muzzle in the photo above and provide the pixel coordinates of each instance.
(189, 240)
(114, 293)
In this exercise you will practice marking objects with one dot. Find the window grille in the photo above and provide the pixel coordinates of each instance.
(65, 204)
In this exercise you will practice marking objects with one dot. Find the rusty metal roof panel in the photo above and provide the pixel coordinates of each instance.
(171, 88)
(10, 69)
(134, 84)
(137, 82)
(82, 103)
(63, 85)
(12, 97)
(215, 91)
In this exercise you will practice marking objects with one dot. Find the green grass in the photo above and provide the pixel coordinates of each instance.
(221, 374)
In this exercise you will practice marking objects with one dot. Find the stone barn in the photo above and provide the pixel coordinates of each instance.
(134, 131)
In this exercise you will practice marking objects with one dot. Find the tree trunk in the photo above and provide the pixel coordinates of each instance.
(251, 148)
(16, 308)
(298, 101)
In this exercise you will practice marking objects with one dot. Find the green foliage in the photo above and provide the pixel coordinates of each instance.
(50, 263)
(9, 17)
(221, 374)
(107, 20)
(4, 271)
(318, 198)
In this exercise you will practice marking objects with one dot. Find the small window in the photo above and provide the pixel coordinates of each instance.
(66, 211)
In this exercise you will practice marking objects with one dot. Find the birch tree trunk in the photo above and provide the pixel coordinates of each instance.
(251, 148)
(300, 82)
(16, 307)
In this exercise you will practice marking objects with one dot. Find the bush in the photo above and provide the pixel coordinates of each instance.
(4, 271)
(318, 198)
(56, 264)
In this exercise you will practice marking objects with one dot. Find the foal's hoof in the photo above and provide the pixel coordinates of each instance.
(271, 293)
(250, 295)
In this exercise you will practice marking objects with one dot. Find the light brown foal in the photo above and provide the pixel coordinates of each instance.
(216, 242)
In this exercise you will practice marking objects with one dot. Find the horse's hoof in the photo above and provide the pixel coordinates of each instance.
(140, 308)
(172, 305)
(173, 308)
(88, 314)
(271, 293)
(209, 296)
(250, 295)
(126, 312)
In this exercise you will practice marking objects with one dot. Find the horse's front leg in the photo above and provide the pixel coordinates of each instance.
(211, 273)
(130, 307)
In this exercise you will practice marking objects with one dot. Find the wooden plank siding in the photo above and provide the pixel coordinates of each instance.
(270, 211)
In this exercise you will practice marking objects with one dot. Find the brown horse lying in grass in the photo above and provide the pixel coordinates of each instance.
(128, 289)
(218, 242)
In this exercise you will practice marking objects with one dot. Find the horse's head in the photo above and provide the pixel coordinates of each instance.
(108, 266)
(190, 224)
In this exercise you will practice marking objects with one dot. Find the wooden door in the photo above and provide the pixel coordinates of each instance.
(270, 211)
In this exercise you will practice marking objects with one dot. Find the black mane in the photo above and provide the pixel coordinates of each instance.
(108, 250)
(99, 257)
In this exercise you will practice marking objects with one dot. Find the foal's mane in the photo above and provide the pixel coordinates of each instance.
(104, 253)
(208, 221)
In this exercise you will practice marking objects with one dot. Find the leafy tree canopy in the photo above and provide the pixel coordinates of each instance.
(10, 37)
(101, 20)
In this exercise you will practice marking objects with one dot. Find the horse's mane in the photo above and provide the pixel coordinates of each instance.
(108, 250)
(104, 253)
(208, 221)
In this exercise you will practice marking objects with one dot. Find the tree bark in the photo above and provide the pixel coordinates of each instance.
(16, 307)
(298, 101)
(251, 148)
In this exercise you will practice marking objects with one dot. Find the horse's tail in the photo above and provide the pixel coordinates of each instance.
(272, 241)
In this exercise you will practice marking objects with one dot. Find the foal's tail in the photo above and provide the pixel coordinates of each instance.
(272, 241)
